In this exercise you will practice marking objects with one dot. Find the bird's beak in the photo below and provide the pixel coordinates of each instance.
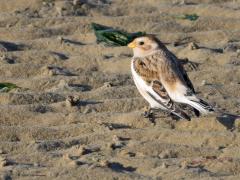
(132, 44)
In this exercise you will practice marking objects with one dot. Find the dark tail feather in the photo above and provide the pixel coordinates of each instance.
(196, 112)
(202, 106)
(205, 105)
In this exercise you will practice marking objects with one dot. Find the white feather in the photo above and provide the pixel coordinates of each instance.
(143, 88)
(179, 96)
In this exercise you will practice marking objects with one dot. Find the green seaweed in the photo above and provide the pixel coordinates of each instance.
(6, 87)
(113, 37)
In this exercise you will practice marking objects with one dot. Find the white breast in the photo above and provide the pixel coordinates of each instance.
(143, 88)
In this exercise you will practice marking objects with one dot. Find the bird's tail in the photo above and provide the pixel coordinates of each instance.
(201, 105)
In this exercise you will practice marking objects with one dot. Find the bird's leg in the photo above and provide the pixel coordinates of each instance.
(173, 116)
(150, 115)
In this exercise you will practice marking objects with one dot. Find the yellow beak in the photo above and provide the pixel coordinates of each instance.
(132, 44)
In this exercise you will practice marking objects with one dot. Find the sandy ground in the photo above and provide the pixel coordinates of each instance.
(48, 49)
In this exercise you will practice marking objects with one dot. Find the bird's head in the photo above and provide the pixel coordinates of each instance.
(144, 45)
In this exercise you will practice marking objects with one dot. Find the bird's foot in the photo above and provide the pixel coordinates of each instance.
(150, 115)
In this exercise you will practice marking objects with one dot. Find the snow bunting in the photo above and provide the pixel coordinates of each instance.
(161, 79)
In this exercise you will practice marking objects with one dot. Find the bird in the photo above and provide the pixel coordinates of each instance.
(161, 79)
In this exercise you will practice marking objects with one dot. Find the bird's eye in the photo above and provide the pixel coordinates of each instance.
(141, 43)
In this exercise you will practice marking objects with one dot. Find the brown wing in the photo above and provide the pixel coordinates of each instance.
(174, 62)
(149, 70)
(182, 72)
(186, 79)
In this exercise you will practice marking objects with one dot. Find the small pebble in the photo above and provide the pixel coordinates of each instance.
(238, 53)
(2, 57)
(107, 85)
(110, 145)
(82, 150)
(95, 159)
(59, 11)
(66, 157)
(64, 8)
(193, 46)
(75, 163)
(131, 154)
(204, 82)
(36, 164)
(182, 2)
(116, 138)
(87, 110)
(44, 3)
(46, 71)
(184, 164)
(219, 147)
(237, 123)
(140, 154)
(177, 2)
(104, 163)
(92, 166)
(164, 155)
(175, 44)
(123, 152)
(117, 143)
(62, 83)
(164, 165)
(77, 2)
(3, 161)
(69, 101)
(60, 39)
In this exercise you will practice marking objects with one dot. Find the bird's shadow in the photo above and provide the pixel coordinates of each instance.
(227, 120)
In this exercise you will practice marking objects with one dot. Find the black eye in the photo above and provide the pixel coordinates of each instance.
(141, 43)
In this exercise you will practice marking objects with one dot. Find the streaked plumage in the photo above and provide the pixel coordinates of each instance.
(161, 79)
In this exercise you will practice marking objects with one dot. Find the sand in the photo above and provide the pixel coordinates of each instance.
(78, 115)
